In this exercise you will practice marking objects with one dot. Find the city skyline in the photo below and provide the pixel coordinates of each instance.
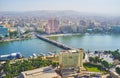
(105, 7)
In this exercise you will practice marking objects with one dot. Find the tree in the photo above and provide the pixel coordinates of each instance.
(116, 55)
(9, 75)
(55, 64)
(95, 59)
(1, 37)
(91, 59)
(13, 34)
(118, 70)
(6, 36)
(7, 66)
(105, 64)
(16, 68)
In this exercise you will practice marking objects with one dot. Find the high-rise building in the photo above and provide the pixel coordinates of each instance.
(18, 31)
(71, 62)
(71, 58)
(52, 26)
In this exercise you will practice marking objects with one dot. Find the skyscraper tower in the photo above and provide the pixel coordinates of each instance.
(18, 31)
(52, 26)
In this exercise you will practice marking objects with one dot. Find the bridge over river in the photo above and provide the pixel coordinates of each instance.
(61, 45)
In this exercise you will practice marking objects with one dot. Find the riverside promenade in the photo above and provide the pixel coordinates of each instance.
(61, 45)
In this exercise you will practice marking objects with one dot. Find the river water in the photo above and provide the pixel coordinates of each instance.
(88, 42)
(27, 47)
(91, 42)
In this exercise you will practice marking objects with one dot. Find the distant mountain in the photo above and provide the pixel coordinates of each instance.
(45, 13)
(52, 13)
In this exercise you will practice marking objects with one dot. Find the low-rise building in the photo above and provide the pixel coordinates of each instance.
(45, 72)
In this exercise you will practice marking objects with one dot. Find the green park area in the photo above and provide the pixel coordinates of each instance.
(14, 69)
(93, 68)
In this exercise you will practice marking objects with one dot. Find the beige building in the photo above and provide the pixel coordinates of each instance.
(71, 58)
(45, 72)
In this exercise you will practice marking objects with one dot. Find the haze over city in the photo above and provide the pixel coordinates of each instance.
(59, 39)
(103, 7)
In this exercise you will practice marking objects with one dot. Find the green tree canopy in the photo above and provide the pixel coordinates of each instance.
(105, 64)
(118, 70)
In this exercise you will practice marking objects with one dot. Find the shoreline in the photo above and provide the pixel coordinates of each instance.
(17, 39)
(45, 35)
(56, 35)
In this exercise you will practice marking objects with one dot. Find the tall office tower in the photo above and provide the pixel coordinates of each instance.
(18, 31)
(52, 26)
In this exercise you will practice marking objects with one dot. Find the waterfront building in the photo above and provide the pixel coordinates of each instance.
(71, 58)
(4, 31)
(52, 26)
(66, 29)
(71, 62)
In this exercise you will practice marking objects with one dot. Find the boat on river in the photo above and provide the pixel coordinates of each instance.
(16, 55)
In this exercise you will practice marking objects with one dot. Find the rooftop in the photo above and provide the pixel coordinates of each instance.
(70, 51)
(44, 72)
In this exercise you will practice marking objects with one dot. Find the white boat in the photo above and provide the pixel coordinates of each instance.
(15, 55)
(42, 54)
(34, 55)
(50, 53)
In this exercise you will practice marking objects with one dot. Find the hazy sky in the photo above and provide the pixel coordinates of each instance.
(110, 7)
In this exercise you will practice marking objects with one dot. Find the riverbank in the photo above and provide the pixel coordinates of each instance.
(56, 35)
(16, 39)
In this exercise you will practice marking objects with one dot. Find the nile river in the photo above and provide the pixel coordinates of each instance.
(88, 42)
(27, 47)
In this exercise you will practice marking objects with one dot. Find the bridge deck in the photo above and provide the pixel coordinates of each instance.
(61, 45)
